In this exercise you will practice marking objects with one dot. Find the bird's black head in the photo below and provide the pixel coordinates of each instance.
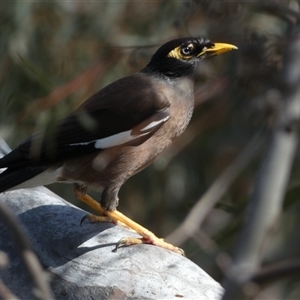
(179, 57)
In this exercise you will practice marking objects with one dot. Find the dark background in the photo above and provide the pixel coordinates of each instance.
(53, 55)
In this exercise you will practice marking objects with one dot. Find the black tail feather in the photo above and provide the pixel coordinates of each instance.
(12, 177)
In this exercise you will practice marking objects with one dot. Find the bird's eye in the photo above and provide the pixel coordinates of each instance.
(187, 50)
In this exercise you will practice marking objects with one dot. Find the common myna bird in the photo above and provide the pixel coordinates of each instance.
(115, 134)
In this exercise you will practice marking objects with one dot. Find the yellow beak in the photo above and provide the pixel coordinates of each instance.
(218, 48)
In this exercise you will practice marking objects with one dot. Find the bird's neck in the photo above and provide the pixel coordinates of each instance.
(171, 68)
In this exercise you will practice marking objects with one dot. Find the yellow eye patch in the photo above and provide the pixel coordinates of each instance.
(182, 52)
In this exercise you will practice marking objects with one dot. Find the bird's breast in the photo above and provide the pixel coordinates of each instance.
(181, 97)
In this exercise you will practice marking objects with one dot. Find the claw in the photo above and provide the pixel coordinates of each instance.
(128, 242)
(97, 219)
(84, 218)
(180, 251)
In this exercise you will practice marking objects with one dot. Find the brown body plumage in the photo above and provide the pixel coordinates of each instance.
(110, 168)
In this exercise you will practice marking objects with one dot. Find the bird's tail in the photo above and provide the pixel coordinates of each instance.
(11, 178)
(15, 169)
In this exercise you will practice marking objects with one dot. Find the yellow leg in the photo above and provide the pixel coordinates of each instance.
(116, 217)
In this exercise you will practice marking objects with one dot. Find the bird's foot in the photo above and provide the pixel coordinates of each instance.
(128, 241)
(153, 240)
(117, 217)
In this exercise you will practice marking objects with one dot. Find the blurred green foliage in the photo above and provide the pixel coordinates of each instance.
(53, 55)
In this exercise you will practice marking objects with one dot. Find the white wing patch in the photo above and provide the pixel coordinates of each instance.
(124, 137)
(117, 139)
(154, 124)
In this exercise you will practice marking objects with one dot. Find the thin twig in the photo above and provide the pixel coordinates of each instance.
(39, 277)
(6, 293)
(282, 11)
(277, 271)
(67, 89)
(205, 204)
